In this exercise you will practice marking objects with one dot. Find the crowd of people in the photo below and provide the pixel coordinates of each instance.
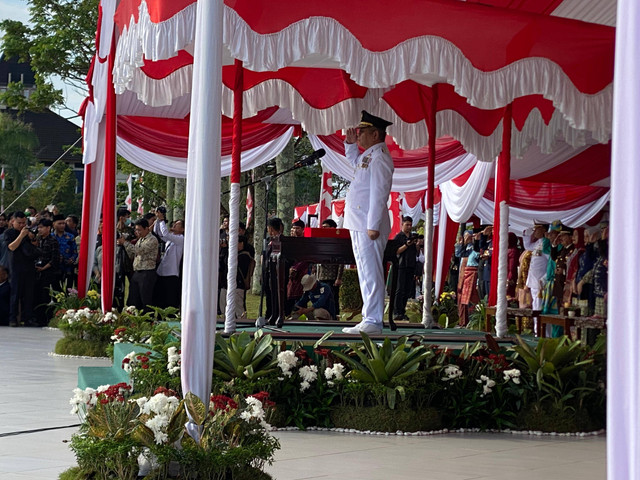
(38, 253)
(551, 268)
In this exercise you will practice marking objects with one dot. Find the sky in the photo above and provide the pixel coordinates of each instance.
(19, 10)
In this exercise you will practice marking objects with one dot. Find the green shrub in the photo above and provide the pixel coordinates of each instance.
(75, 346)
(379, 418)
(553, 418)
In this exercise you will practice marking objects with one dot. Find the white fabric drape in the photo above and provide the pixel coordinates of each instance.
(521, 219)
(96, 190)
(462, 201)
(232, 264)
(177, 166)
(442, 236)
(623, 336)
(200, 272)
(416, 212)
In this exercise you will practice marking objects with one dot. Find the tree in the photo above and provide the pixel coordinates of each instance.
(286, 185)
(60, 41)
(17, 144)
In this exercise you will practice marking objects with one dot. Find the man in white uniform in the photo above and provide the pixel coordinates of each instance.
(367, 215)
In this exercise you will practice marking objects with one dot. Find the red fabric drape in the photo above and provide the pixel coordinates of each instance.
(236, 148)
(109, 198)
(502, 188)
(170, 136)
(83, 255)
(548, 196)
(446, 149)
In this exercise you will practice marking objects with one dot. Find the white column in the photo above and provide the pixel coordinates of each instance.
(503, 260)
(427, 282)
(232, 264)
(623, 328)
(201, 250)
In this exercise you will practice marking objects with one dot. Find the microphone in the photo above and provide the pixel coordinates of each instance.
(310, 160)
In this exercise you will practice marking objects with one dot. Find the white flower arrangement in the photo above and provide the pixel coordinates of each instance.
(82, 398)
(254, 413)
(513, 375)
(109, 317)
(160, 408)
(309, 374)
(286, 362)
(487, 384)
(175, 360)
(335, 373)
(452, 372)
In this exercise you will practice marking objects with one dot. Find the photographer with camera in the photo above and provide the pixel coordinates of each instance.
(22, 255)
(407, 253)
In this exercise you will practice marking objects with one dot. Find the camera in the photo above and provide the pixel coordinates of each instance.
(414, 237)
(33, 229)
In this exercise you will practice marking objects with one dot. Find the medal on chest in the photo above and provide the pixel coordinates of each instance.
(365, 161)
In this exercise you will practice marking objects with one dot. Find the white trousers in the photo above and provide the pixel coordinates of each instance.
(368, 255)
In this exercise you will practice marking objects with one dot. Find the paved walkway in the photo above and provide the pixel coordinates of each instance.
(36, 389)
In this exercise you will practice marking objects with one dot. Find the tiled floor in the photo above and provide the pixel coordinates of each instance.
(36, 389)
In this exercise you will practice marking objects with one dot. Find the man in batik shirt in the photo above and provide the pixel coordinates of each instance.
(68, 249)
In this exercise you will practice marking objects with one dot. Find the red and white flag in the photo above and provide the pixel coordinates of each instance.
(249, 207)
(129, 200)
(2, 177)
(326, 196)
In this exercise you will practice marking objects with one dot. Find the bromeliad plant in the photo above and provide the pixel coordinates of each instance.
(567, 375)
(385, 365)
(244, 357)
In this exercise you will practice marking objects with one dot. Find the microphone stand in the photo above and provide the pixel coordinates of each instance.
(268, 181)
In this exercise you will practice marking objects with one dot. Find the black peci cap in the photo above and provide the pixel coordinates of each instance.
(369, 120)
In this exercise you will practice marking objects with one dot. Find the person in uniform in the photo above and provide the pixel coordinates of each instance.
(367, 215)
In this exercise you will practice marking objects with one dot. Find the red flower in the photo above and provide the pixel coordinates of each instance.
(222, 402)
(166, 391)
(264, 398)
(323, 352)
(145, 366)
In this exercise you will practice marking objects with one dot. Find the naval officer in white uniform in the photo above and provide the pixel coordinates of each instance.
(367, 214)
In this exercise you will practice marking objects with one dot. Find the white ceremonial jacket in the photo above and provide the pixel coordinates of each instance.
(539, 260)
(170, 263)
(366, 203)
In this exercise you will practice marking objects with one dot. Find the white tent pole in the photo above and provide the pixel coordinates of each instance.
(201, 250)
(623, 336)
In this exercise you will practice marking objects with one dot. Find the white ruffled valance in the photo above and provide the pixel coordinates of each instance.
(520, 218)
(323, 42)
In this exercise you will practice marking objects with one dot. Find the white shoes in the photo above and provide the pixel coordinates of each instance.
(368, 328)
